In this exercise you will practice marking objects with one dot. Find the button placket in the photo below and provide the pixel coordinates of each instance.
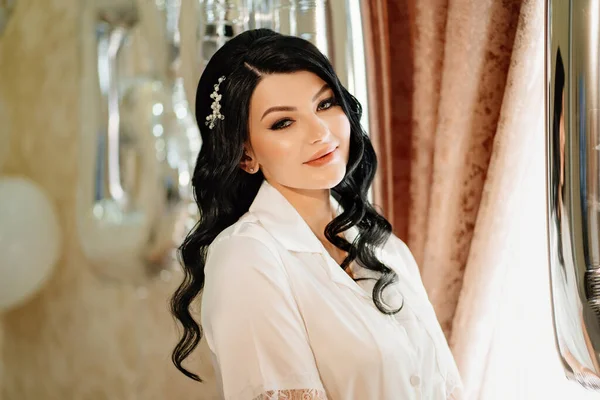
(415, 382)
(414, 379)
(411, 351)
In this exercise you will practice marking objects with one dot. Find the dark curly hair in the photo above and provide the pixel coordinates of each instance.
(224, 192)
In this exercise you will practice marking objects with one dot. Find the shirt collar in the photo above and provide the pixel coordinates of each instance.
(286, 225)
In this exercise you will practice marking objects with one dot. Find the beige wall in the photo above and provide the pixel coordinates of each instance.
(80, 337)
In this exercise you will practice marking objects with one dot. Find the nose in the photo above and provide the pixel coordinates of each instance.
(318, 129)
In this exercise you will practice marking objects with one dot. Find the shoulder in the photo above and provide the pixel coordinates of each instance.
(244, 277)
(395, 244)
(399, 250)
(246, 232)
(243, 250)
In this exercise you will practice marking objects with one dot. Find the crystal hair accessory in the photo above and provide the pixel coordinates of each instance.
(216, 106)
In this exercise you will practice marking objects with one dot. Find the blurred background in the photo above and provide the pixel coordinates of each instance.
(98, 142)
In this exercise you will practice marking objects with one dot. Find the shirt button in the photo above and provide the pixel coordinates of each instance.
(415, 380)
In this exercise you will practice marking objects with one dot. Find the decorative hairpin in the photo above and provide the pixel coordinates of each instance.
(216, 107)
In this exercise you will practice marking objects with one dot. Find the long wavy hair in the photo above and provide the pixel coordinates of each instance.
(224, 192)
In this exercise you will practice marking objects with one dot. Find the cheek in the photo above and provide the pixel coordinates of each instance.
(341, 129)
(276, 152)
(340, 125)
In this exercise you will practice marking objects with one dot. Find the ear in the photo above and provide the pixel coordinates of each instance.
(248, 162)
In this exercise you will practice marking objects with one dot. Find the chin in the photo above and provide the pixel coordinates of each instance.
(317, 179)
(327, 180)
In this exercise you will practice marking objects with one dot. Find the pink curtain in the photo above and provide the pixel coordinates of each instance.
(463, 181)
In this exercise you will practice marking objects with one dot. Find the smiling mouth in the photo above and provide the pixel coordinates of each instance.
(323, 156)
(324, 159)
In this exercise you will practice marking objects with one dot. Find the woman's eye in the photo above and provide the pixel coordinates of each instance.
(284, 123)
(326, 104)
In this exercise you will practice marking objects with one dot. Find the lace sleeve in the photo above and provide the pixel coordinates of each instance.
(293, 394)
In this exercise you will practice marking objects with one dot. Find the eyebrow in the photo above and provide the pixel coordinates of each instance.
(287, 108)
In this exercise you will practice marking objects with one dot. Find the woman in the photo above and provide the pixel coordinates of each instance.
(307, 294)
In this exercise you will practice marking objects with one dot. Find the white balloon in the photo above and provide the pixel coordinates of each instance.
(30, 240)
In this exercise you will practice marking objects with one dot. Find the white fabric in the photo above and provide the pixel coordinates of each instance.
(284, 321)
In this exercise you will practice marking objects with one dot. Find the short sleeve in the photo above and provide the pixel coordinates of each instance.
(253, 328)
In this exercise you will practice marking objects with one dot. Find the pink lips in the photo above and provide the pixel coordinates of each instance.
(321, 153)
(324, 159)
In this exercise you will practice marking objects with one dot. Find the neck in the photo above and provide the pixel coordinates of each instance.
(313, 206)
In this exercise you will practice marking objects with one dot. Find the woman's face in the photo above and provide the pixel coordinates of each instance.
(292, 117)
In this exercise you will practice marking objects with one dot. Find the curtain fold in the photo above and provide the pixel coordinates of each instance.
(448, 65)
(376, 36)
(465, 147)
(479, 40)
(501, 254)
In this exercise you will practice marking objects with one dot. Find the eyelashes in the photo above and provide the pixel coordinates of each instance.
(330, 101)
(285, 122)
(281, 124)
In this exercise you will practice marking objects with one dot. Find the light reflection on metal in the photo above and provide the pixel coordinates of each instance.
(138, 147)
(219, 21)
(573, 183)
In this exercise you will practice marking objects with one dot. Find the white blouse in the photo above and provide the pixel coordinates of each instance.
(283, 320)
